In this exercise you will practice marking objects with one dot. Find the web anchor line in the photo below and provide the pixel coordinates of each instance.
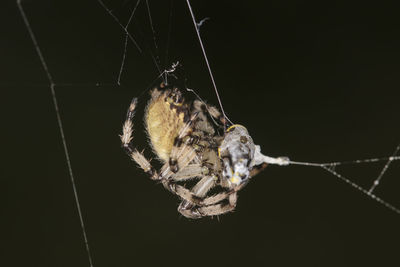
(126, 43)
(368, 193)
(156, 58)
(378, 180)
(331, 168)
(60, 125)
(109, 11)
(196, 27)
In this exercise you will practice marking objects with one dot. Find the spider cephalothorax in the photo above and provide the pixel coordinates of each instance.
(186, 141)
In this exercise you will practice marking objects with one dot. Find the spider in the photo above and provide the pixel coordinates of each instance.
(184, 139)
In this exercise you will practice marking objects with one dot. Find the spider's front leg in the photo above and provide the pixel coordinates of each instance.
(212, 205)
(188, 197)
(219, 209)
(126, 139)
(189, 172)
(196, 212)
(195, 197)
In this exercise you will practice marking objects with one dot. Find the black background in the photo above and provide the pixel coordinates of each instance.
(314, 80)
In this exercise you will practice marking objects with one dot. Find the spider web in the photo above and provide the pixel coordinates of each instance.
(124, 21)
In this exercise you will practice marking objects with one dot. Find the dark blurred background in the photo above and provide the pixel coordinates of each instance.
(313, 80)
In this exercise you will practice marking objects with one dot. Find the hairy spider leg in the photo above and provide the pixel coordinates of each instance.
(126, 139)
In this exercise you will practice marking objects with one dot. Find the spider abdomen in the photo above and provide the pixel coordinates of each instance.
(164, 120)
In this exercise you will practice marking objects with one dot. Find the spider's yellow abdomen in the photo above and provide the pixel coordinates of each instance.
(163, 122)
